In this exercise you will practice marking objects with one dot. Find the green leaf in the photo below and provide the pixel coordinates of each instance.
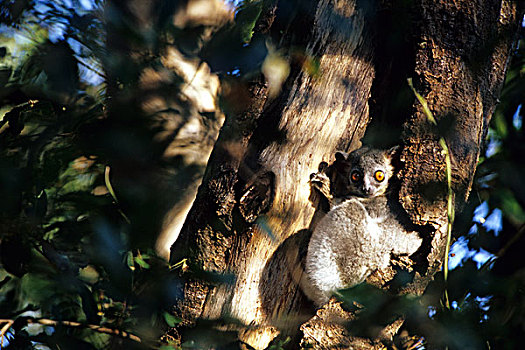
(512, 209)
(141, 262)
(171, 320)
(130, 261)
(169, 347)
(500, 125)
(247, 17)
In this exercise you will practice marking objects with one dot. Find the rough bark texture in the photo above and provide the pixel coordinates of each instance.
(461, 58)
(463, 52)
(252, 212)
(462, 55)
(315, 116)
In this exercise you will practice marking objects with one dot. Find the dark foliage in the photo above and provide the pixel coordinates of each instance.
(70, 263)
(76, 234)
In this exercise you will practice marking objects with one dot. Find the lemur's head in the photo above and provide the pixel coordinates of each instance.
(369, 171)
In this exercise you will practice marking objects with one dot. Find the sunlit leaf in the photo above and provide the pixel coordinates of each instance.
(171, 320)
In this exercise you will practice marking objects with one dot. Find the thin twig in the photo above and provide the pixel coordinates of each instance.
(504, 249)
(88, 67)
(511, 241)
(450, 195)
(3, 331)
(48, 322)
(112, 192)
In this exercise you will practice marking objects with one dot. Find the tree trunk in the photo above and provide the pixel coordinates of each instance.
(164, 113)
(462, 56)
(252, 213)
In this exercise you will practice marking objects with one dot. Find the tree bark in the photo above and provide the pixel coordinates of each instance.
(252, 213)
(461, 60)
(313, 117)
(162, 110)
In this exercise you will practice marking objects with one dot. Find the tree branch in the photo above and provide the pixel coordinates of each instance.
(96, 328)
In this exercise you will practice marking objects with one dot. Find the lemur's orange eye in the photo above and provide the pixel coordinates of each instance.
(379, 176)
(355, 176)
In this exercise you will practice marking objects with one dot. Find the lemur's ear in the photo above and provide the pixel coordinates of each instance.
(340, 156)
(322, 166)
(393, 151)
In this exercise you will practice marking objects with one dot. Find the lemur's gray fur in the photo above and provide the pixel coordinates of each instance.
(361, 232)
